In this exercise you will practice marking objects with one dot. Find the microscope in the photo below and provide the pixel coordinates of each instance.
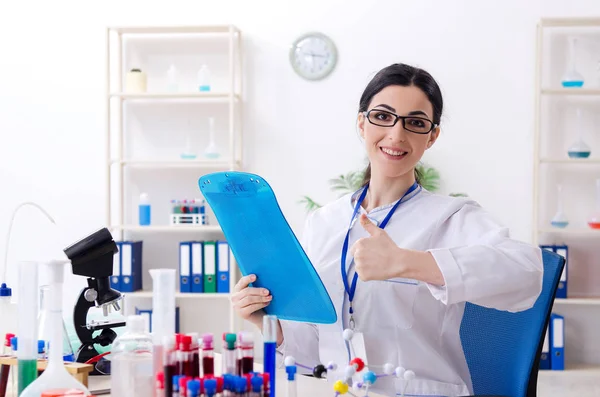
(92, 257)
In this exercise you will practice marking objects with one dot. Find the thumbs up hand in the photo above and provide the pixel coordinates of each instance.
(376, 257)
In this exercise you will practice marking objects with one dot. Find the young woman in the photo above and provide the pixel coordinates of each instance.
(401, 281)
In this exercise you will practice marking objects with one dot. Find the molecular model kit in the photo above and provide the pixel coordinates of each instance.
(356, 365)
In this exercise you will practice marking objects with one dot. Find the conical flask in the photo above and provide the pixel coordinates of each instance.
(579, 150)
(594, 219)
(44, 324)
(55, 376)
(572, 78)
(560, 219)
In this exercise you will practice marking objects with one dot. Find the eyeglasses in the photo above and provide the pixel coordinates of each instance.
(383, 118)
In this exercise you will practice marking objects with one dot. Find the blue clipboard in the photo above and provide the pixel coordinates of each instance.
(264, 244)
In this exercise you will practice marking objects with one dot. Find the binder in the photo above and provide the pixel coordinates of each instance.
(185, 284)
(210, 264)
(563, 250)
(557, 342)
(545, 357)
(115, 279)
(197, 265)
(561, 292)
(147, 314)
(131, 266)
(223, 266)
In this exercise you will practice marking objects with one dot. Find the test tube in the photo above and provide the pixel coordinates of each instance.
(5, 369)
(163, 315)
(176, 385)
(27, 324)
(266, 385)
(208, 360)
(169, 363)
(210, 387)
(257, 386)
(195, 355)
(242, 387)
(229, 354)
(185, 354)
(183, 382)
(160, 384)
(178, 357)
(292, 387)
(270, 325)
(246, 345)
(193, 388)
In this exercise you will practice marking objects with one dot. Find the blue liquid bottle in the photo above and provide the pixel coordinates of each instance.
(144, 210)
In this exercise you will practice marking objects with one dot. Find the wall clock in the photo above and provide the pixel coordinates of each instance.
(313, 56)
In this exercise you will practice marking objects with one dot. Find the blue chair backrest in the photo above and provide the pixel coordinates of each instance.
(502, 348)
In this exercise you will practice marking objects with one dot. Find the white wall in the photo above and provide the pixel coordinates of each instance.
(482, 54)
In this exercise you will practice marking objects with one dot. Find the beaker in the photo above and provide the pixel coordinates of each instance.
(44, 331)
(572, 78)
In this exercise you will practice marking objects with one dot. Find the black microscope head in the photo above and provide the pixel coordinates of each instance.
(92, 257)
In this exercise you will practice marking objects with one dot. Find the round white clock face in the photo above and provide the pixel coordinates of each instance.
(313, 56)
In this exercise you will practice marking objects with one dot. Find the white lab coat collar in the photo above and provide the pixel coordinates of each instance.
(376, 211)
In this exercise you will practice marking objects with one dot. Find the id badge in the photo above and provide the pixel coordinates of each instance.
(358, 350)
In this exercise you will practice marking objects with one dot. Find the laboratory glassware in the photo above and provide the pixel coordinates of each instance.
(594, 219)
(572, 78)
(560, 219)
(579, 149)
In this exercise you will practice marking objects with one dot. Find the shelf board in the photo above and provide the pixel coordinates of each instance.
(186, 295)
(222, 165)
(562, 160)
(167, 96)
(580, 91)
(169, 229)
(578, 301)
(570, 22)
(567, 230)
(174, 29)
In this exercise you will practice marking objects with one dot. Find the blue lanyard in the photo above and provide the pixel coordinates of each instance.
(351, 290)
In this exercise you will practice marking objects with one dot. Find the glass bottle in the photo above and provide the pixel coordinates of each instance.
(572, 78)
(44, 331)
(594, 220)
(560, 219)
(579, 150)
(132, 361)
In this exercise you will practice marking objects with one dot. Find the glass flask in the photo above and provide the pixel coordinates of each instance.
(572, 78)
(44, 332)
(594, 220)
(211, 151)
(560, 219)
(579, 150)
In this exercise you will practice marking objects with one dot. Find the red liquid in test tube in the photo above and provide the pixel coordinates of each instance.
(208, 360)
(246, 346)
(186, 356)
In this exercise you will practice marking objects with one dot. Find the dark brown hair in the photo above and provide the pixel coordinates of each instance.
(403, 75)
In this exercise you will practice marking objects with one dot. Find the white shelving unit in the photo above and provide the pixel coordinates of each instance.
(144, 140)
(555, 130)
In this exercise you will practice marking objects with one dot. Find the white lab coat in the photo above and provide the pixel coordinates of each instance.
(415, 326)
